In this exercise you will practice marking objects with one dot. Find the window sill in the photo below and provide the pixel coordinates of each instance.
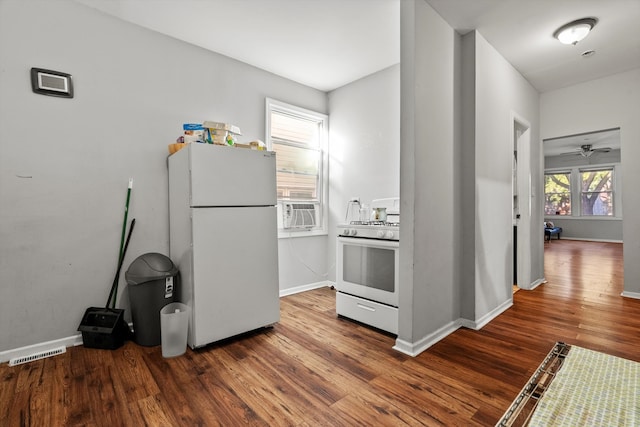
(284, 234)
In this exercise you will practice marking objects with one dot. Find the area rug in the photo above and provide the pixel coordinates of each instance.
(578, 387)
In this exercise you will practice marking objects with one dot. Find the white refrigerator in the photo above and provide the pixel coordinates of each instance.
(223, 239)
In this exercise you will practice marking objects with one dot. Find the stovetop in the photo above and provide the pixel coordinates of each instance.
(380, 230)
(374, 223)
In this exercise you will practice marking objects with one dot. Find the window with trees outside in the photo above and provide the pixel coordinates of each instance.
(299, 138)
(557, 193)
(591, 190)
(597, 192)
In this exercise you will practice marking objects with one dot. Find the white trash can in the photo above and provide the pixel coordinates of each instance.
(174, 327)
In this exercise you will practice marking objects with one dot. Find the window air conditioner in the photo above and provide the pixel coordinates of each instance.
(298, 215)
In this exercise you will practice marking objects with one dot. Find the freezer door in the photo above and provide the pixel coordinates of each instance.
(227, 176)
(235, 272)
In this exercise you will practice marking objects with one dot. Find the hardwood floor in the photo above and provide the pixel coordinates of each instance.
(314, 369)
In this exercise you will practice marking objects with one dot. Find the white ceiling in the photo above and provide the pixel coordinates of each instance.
(323, 44)
(328, 43)
(522, 31)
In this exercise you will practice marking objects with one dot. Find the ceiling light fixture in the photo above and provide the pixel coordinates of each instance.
(575, 31)
(585, 150)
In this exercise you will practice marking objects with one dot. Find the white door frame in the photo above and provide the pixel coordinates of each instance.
(521, 134)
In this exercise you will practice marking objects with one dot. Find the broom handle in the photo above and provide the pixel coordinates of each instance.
(114, 286)
(124, 228)
(126, 213)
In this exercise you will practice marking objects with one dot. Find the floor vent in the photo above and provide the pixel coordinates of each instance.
(37, 356)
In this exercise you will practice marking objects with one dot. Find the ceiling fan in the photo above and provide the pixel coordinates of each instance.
(586, 150)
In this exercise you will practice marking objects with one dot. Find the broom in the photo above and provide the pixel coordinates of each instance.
(114, 287)
(105, 328)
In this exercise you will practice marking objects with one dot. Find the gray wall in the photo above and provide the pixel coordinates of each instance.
(601, 230)
(364, 161)
(468, 184)
(65, 163)
(459, 100)
(571, 110)
(563, 161)
(430, 234)
(502, 94)
(364, 145)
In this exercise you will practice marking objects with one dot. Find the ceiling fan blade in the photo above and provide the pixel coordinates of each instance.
(585, 151)
(577, 151)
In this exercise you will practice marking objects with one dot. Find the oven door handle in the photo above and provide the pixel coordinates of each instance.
(365, 307)
(372, 243)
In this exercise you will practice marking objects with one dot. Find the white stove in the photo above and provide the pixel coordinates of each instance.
(367, 269)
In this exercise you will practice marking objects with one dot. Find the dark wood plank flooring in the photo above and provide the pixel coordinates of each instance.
(314, 369)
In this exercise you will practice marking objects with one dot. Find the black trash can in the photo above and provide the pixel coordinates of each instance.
(152, 279)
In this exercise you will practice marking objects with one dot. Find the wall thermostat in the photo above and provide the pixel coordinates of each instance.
(52, 83)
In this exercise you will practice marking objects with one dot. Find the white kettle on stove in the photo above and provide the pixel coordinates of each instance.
(386, 210)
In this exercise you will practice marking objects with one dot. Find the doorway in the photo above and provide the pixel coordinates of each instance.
(521, 205)
(582, 183)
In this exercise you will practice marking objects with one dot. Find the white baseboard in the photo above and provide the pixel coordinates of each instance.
(468, 323)
(71, 341)
(536, 284)
(635, 295)
(415, 348)
(304, 288)
(583, 239)
(480, 323)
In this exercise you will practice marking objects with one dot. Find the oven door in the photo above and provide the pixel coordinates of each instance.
(368, 269)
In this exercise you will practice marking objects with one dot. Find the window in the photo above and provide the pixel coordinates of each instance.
(298, 156)
(557, 193)
(596, 192)
(299, 138)
(583, 192)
